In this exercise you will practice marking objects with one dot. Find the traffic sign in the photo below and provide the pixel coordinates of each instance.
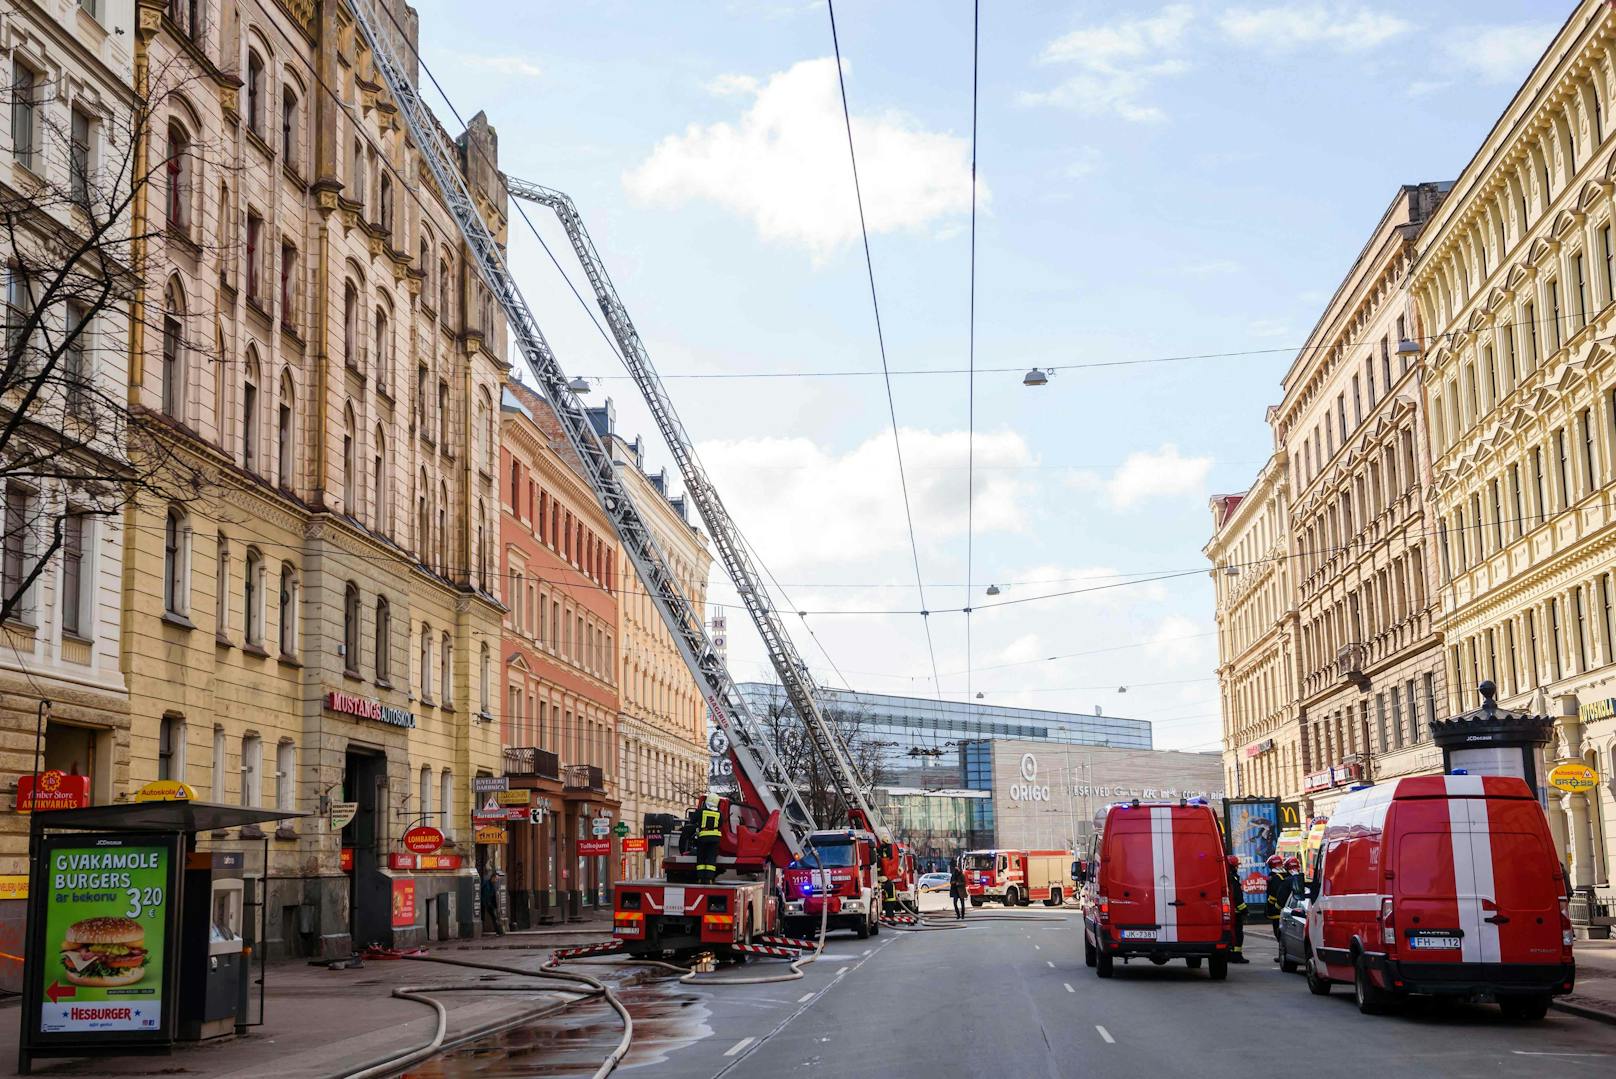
(535, 815)
(601, 826)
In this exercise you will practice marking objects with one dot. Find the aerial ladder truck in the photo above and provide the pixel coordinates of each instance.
(894, 878)
(771, 826)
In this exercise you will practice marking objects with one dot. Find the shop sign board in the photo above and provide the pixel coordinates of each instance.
(594, 847)
(166, 790)
(13, 887)
(54, 789)
(484, 784)
(345, 860)
(512, 798)
(342, 814)
(1574, 776)
(403, 860)
(102, 962)
(620, 829)
(634, 846)
(350, 704)
(403, 903)
(423, 839)
(600, 826)
(491, 835)
(1593, 710)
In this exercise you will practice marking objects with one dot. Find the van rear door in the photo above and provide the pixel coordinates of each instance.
(1199, 877)
(1523, 908)
(1128, 873)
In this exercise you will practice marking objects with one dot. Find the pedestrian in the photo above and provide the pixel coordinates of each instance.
(491, 902)
(1237, 900)
(708, 833)
(956, 890)
(1279, 892)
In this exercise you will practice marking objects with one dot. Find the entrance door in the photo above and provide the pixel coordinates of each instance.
(370, 898)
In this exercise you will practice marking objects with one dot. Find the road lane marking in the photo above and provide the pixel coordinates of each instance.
(1535, 1053)
(1037, 947)
(1106, 1034)
(1051, 965)
(805, 998)
(738, 1046)
(1068, 986)
(843, 970)
(867, 951)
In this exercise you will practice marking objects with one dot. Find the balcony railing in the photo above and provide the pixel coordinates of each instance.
(584, 777)
(532, 761)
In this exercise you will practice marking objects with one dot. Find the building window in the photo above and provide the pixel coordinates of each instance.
(177, 180)
(384, 640)
(255, 93)
(220, 791)
(426, 663)
(1579, 610)
(1607, 617)
(446, 674)
(1580, 280)
(25, 116)
(252, 770)
(446, 801)
(249, 416)
(1554, 638)
(288, 610)
(350, 467)
(426, 791)
(386, 200)
(289, 128)
(443, 415)
(221, 588)
(171, 748)
(1562, 468)
(350, 325)
(80, 157)
(384, 350)
(483, 672)
(73, 591)
(1585, 422)
(379, 482)
(173, 354)
(350, 628)
(176, 563)
(253, 598)
(288, 284)
(285, 776)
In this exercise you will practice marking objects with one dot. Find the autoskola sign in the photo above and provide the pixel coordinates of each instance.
(1029, 790)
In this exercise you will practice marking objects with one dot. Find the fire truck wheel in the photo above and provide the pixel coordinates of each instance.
(1524, 1009)
(1012, 898)
(875, 926)
(863, 929)
(1023, 899)
(976, 901)
(1089, 953)
(1317, 984)
(1103, 964)
(1371, 999)
(1054, 899)
(1217, 967)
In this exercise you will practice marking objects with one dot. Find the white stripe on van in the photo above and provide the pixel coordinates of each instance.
(1164, 871)
(1472, 868)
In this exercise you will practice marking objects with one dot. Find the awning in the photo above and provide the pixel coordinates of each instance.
(177, 816)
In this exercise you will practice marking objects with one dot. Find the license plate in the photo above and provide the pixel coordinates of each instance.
(1434, 942)
(1138, 934)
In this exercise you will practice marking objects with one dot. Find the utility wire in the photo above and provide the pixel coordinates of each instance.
(880, 337)
(970, 411)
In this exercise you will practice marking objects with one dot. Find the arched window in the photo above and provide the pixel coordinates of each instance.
(423, 520)
(356, 173)
(424, 257)
(484, 666)
(288, 609)
(446, 799)
(350, 325)
(289, 153)
(387, 205)
(249, 413)
(426, 662)
(446, 676)
(351, 617)
(379, 483)
(444, 414)
(444, 285)
(255, 93)
(384, 640)
(350, 465)
(485, 423)
(482, 547)
(176, 562)
(285, 434)
(177, 173)
(384, 349)
(443, 529)
(174, 351)
(253, 597)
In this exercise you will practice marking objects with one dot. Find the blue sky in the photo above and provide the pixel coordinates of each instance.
(1154, 180)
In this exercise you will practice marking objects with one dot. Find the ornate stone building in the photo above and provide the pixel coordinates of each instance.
(1262, 741)
(1515, 286)
(317, 623)
(1351, 426)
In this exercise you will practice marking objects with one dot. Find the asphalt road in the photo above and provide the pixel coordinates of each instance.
(1009, 996)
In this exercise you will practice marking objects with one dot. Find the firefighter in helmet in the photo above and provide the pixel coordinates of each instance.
(1237, 902)
(707, 833)
(1279, 892)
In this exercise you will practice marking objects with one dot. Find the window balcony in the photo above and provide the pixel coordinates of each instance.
(583, 777)
(531, 761)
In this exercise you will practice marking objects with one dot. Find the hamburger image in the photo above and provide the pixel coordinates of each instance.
(104, 952)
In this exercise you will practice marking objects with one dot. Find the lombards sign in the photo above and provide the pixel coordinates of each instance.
(368, 708)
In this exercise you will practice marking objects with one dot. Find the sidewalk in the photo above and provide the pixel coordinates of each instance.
(1595, 996)
(320, 1022)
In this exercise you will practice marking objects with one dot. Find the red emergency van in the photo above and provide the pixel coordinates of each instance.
(1443, 884)
(1158, 889)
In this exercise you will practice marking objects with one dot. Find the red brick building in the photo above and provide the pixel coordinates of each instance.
(557, 563)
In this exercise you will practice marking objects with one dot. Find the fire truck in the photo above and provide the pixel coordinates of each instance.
(838, 882)
(1016, 877)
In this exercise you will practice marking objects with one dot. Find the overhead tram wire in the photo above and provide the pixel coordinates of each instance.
(970, 411)
(881, 342)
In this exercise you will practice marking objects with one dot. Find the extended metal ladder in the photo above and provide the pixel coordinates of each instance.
(788, 664)
(754, 755)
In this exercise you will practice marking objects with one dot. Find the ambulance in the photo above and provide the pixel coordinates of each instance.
(1446, 885)
(1158, 889)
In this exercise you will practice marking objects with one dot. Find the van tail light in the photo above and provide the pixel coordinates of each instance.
(1104, 904)
(1388, 933)
(1226, 913)
(1566, 934)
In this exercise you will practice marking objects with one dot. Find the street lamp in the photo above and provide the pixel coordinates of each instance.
(993, 590)
(579, 385)
(1409, 347)
(1035, 377)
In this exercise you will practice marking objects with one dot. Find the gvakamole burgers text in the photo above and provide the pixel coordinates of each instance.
(104, 952)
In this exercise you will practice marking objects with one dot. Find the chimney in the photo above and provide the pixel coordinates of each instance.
(603, 419)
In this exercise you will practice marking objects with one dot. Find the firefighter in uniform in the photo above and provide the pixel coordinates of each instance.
(1279, 892)
(1237, 901)
(707, 834)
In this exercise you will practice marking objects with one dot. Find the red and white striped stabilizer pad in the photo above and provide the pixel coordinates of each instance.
(605, 947)
(771, 950)
(787, 942)
(899, 919)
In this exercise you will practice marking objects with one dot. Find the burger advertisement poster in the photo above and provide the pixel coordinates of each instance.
(106, 930)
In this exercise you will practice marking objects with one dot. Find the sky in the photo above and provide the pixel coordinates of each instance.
(1153, 181)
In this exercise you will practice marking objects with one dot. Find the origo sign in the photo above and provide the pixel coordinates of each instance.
(1029, 790)
(101, 962)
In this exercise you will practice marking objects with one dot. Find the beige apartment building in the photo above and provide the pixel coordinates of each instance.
(1515, 285)
(1351, 426)
(315, 624)
(1263, 752)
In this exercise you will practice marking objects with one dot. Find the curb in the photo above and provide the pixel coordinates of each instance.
(1598, 1015)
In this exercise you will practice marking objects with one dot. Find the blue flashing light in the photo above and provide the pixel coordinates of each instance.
(1459, 772)
(1360, 786)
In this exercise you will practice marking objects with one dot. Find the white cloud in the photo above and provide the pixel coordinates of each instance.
(1422, 87)
(519, 66)
(1343, 27)
(1085, 162)
(771, 483)
(733, 86)
(1267, 327)
(1163, 473)
(783, 164)
(1117, 64)
(1498, 54)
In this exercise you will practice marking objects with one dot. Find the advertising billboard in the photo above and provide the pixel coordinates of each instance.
(105, 937)
(1251, 826)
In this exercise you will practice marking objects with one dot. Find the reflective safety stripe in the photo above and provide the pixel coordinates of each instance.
(1163, 872)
